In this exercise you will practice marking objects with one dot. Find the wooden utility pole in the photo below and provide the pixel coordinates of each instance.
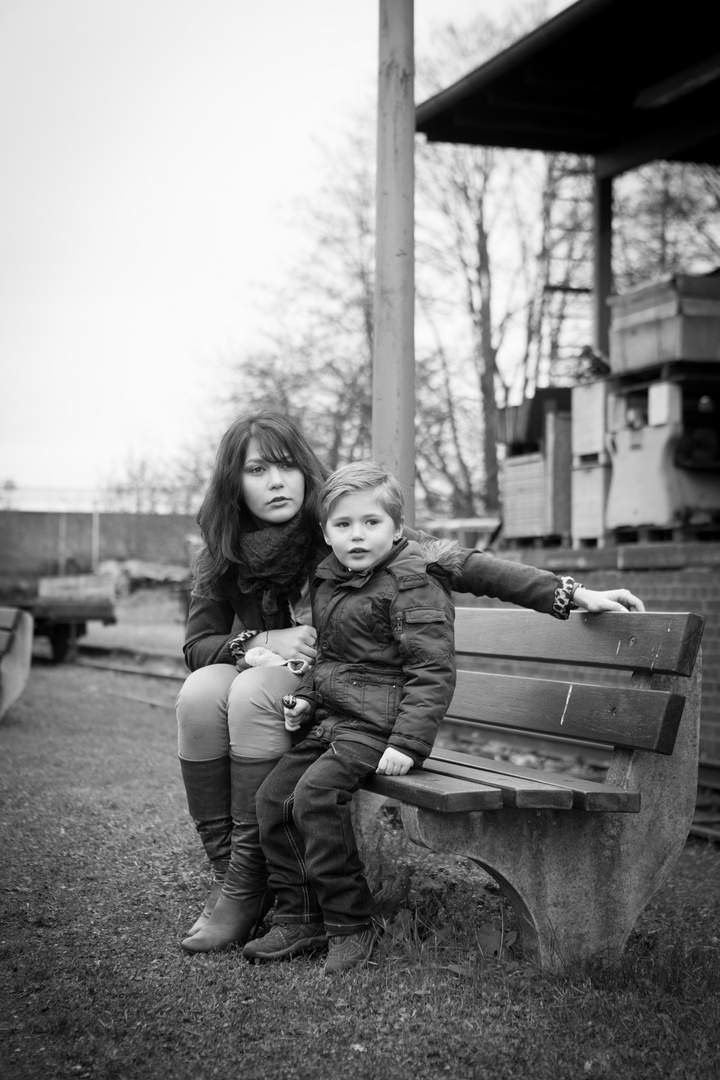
(393, 420)
(602, 246)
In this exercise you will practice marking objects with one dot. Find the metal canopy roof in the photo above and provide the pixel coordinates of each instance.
(624, 80)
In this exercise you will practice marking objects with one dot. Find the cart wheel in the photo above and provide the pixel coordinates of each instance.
(61, 640)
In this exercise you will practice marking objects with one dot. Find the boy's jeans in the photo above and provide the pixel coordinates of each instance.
(307, 834)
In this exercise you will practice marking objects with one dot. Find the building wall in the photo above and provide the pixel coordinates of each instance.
(667, 577)
(34, 544)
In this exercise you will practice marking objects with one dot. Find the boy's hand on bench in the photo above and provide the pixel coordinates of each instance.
(394, 762)
(612, 600)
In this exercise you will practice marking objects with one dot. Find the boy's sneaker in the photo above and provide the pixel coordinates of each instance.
(286, 940)
(349, 950)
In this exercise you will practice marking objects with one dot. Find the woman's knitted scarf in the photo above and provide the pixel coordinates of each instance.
(273, 563)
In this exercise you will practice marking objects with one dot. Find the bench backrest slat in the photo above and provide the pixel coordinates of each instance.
(619, 716)
(663, 643)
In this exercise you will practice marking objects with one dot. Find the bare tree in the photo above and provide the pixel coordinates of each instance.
(504, 280)
(317, 364)
(149, 486)
(484, 262)
(666, 222)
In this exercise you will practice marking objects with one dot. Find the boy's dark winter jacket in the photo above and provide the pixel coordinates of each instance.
(386, 655)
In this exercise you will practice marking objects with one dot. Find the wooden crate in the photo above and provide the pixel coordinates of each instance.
(677, 318)
(522, 485)
(589, 402)
(590, 486)
(535, 492)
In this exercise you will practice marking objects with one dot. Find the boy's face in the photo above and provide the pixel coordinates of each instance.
(359, 531)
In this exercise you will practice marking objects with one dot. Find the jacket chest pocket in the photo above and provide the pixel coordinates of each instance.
(423, 634)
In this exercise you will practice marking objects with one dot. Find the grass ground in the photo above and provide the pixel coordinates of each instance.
(102, 874)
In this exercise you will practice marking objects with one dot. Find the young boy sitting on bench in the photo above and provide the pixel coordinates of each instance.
(383, 680)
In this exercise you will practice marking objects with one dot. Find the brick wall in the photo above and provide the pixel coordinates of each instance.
(676, 578)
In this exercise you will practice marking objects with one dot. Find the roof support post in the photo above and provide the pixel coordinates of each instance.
(393, 419)
(602, 254)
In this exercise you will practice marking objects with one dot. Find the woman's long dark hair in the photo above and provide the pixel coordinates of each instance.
(223, 516)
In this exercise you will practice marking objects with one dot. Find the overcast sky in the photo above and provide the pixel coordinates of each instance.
(152, 151)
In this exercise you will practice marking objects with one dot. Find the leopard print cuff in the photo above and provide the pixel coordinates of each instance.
(563, 602)
(237, 644)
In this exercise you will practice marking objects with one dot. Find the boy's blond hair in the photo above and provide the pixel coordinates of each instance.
(363, 476)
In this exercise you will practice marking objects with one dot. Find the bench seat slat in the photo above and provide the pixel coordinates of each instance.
(666, 644)
(431, 791)
(522, 792)
(6, 637)
(619, 716)
(586, 794)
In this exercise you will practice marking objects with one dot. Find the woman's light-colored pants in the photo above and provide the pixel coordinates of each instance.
(223, 712)
(231, 733)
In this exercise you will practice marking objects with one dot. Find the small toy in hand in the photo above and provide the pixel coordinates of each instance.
(289, 701)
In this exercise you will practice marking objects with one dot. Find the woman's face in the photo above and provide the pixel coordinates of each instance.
(273, 491)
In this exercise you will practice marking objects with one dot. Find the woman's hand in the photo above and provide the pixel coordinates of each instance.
(394, 762)
(612, 600)
(292, 643)
(294, 710)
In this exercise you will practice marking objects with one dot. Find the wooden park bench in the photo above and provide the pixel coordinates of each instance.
(16, 636)
(577, 859)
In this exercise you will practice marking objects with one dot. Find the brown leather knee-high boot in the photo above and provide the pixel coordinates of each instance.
(208, 790)
(245, 898)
